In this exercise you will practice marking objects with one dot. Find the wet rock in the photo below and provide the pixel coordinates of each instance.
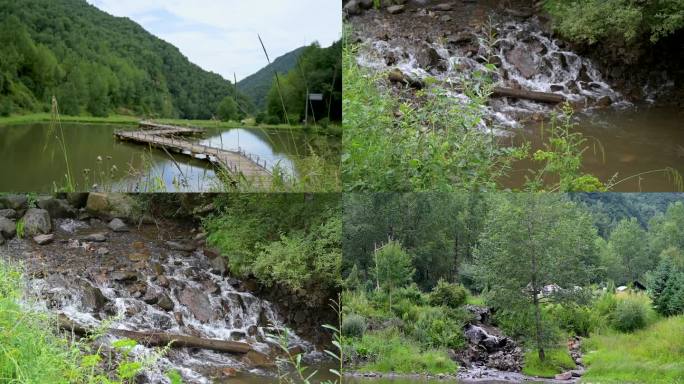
(480, 314)
(137, 289)
(445, 19)
(44, 239)
(181, 246)
(138, 257)
(96, 238)
(57, 208)
(36, 222)
(102, 251)
(197, 302)
(210, 287)
(152, 296)
(164, 302)
(396, 9)
(163, 281)
(257, 359)
(8, 213)
(523, 60)
(397, 76)
(443, 7)
(8, 228)
(2, 240)
(17, 202)
(563, 376)
(124, 276)
(218, 265)
(92, 298)
(117, 225)
(604, 102)
(157, 268)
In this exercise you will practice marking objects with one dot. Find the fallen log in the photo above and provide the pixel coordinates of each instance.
(544, 97)
(155, 339)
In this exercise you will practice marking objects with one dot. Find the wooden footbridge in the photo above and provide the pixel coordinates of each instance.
(253, 169)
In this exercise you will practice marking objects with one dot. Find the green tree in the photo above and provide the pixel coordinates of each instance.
(531, 241)
(393, 267)
(628, 242)
(227, 109)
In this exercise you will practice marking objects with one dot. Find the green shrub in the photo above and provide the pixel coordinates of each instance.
(411, 293)
(353, 326)
(438, 327)
(573, 318)
(448, 294)
(630, 315)
(406, 310)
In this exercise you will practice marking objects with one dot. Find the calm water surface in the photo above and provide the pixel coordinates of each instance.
(634, 141)
(31, 158)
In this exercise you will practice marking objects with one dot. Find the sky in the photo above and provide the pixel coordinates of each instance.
(221, 35)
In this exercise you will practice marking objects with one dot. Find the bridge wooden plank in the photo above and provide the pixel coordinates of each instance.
(233, 162)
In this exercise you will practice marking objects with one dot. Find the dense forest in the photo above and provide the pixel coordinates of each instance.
(319, 70)
(96, 63)
(550, 267)
(257, 86)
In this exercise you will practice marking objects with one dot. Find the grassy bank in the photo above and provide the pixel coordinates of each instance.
(652, 355)
(557, 360)
(133, 120)
(29, 351)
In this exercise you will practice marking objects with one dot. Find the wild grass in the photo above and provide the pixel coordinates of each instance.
(389, 351)
(651, 355)
(557, 360)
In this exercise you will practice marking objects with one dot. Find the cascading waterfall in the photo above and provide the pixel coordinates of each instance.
(525, 58)
(184, 295)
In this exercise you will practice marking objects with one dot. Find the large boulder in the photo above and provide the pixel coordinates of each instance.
(57, 208)
(36, 222)
(197, 303)
(92, 298)
(8, 213)
(16, 202)
(523, 60)
(113, 205)
(77, 199)
(8, 228)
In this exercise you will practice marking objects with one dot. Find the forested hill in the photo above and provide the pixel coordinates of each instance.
(256, 86)
(97, 64)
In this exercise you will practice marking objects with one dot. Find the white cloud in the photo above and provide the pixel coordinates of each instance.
(221, 36)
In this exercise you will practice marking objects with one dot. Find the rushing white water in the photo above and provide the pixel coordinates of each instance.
(525, 58)
(205, 305)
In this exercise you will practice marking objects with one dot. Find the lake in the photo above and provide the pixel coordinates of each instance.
(32, 159)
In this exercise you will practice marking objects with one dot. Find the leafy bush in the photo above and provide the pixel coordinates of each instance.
(411, 293)
(353, 326)
(630, 315)
(573, 318)
(590, 21)
(448, 294)
(440, 327)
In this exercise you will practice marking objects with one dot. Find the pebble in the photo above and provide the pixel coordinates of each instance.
(44, 239)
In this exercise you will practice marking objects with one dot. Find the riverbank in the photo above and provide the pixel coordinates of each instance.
(333, 130)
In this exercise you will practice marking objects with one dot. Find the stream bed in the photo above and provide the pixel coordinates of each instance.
(32, 159)
(158, 278)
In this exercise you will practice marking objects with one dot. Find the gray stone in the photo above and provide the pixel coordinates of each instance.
(8, 213)
(124, 276)
(523, 60)
(16, 202)
(564, 376)
(92, 298)
(218, 265)
(57, 208)
(44, 239)
(165, 302)
(352, 8)
(114, 205)
(8, 228)
(117, 225)
(36, 222)
(96, 237)
(197, 302)
(365, 4)
(180, 246)
(443, 7)
(396, 9)
(102, 251)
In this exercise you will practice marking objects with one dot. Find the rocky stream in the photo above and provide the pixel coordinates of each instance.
(91, 260)
(452, 44)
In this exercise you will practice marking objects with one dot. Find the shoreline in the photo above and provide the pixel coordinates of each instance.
(332, 130)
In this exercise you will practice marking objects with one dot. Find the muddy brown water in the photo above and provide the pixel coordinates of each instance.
(625, 146)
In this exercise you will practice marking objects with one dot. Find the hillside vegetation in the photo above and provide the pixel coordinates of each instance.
(257, 86)
(97, 64)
